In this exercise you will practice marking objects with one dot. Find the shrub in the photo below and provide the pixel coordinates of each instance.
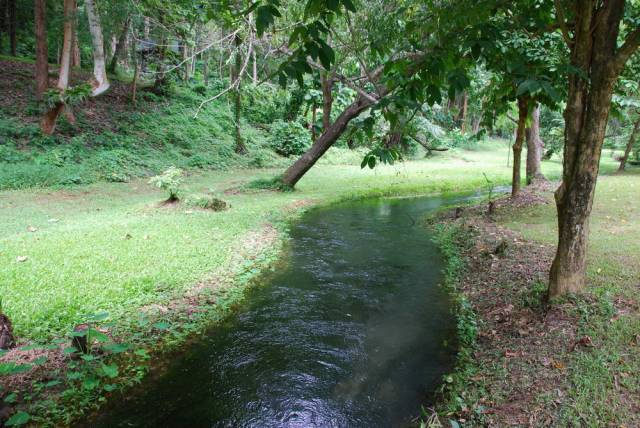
(170, 181)
(289, 138)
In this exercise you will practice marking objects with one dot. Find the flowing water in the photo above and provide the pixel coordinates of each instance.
(350, 330)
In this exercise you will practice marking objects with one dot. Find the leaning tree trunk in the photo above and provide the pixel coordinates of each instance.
(101, 83)
(42, 50)
(534, 148)
(630, 143)
(295, 172)
(48, 122)
(523, 106)
(594, 51)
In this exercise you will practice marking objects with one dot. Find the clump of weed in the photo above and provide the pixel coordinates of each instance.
(207, 202)
(274, 183)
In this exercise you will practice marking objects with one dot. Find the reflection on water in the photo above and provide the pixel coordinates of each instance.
(348, 332)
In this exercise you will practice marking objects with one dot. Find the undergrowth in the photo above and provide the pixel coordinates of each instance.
(453, 239)
(129, 142)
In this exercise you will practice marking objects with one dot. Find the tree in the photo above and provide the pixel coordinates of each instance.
(591, 34)
(42, 50)
(632, 141)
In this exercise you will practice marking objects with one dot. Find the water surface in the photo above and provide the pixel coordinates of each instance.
(351, 330)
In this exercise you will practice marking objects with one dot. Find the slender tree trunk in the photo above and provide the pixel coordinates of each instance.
(630, 144)
(186, 67)
(159, 82)
(137, 66)
(240, 148)
(534, 148)
(12, 17)
(327, 100)
(255, 67)
(523, 107)
(595, 51)
(475, 127)
(296, 171)
(205, 68)
(42, 50)
(48, 122)
(101, 83)
(120, 47)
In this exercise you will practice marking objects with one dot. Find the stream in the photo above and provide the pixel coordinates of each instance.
(350, 330)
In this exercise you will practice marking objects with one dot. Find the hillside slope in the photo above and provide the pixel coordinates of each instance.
(114, 139)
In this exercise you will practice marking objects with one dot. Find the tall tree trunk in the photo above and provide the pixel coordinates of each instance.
(327, 99)
(630, 143)
(101, 83)
(120, 47)
(296, 171)
(12, 17)
(523, 108)
(48, 122)
(240, 148)
(3, 21)
(594, 51)
(465, 105)
(42, 50)
(534, 148)
(76, 59)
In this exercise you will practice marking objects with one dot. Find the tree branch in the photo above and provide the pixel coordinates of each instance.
(563, 24)
(630, 45)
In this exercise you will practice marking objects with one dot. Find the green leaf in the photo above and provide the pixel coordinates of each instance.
(162, 325)
(116, 348)
(90, 383)
(8, 369)
(110, 370)
(18, 419)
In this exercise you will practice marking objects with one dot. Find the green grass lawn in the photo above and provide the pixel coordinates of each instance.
(111, 247)
(605, 381)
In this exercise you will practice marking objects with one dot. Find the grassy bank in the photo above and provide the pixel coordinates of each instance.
(569, 364)
(153, 274)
